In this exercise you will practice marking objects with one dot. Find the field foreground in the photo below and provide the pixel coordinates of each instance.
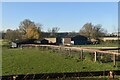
(36, 60)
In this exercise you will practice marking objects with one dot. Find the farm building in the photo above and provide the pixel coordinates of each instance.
(66, 41)
(59, 40)
(76, 40)
(51, 40)
(80, 40)
(19, 43)
(44, 41)
(63, 40)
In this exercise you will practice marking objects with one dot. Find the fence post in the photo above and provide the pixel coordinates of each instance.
(69, 52)
(95, 56)
(81, 56)
(114, 62)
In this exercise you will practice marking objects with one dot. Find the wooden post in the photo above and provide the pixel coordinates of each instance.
(114, 62)
(69, 52)
(95, 56)
(59, 49)
(81, 56)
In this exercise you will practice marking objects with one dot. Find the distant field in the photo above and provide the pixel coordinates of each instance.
(35, 60)
(100, 45)
(3, 42)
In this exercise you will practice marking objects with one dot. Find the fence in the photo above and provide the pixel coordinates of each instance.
(59, 75)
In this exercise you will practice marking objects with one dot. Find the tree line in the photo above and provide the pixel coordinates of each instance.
(31, 30)
(92, 31)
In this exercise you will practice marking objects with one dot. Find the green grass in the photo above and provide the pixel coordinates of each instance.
(1, 41)
(4, 42)
(34, 60)
(100, 45)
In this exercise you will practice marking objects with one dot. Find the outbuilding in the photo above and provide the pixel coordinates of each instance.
(80, 40)
(19, 43)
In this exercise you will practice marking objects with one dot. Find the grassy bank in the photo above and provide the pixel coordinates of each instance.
(36, 60)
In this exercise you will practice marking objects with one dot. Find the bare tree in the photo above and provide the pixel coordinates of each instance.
(86, 30)
(53, 31)
(39, 26)
(2, 34)
(12, 35)
(98, 31)
(92, 31)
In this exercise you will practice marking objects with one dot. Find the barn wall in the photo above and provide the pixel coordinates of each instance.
(66, 40)
(51, 40)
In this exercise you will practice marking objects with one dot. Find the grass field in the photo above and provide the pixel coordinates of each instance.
(100, 45)
(3, 42)
(35, 60)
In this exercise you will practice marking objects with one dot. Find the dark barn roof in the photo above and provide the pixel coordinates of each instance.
(79, 37)
(30, 41)
(44, 41)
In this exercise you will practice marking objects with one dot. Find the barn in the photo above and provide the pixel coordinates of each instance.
(19, 43)
(80, 40)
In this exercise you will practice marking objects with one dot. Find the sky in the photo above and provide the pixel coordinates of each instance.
(68, 16)
(60, 0)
